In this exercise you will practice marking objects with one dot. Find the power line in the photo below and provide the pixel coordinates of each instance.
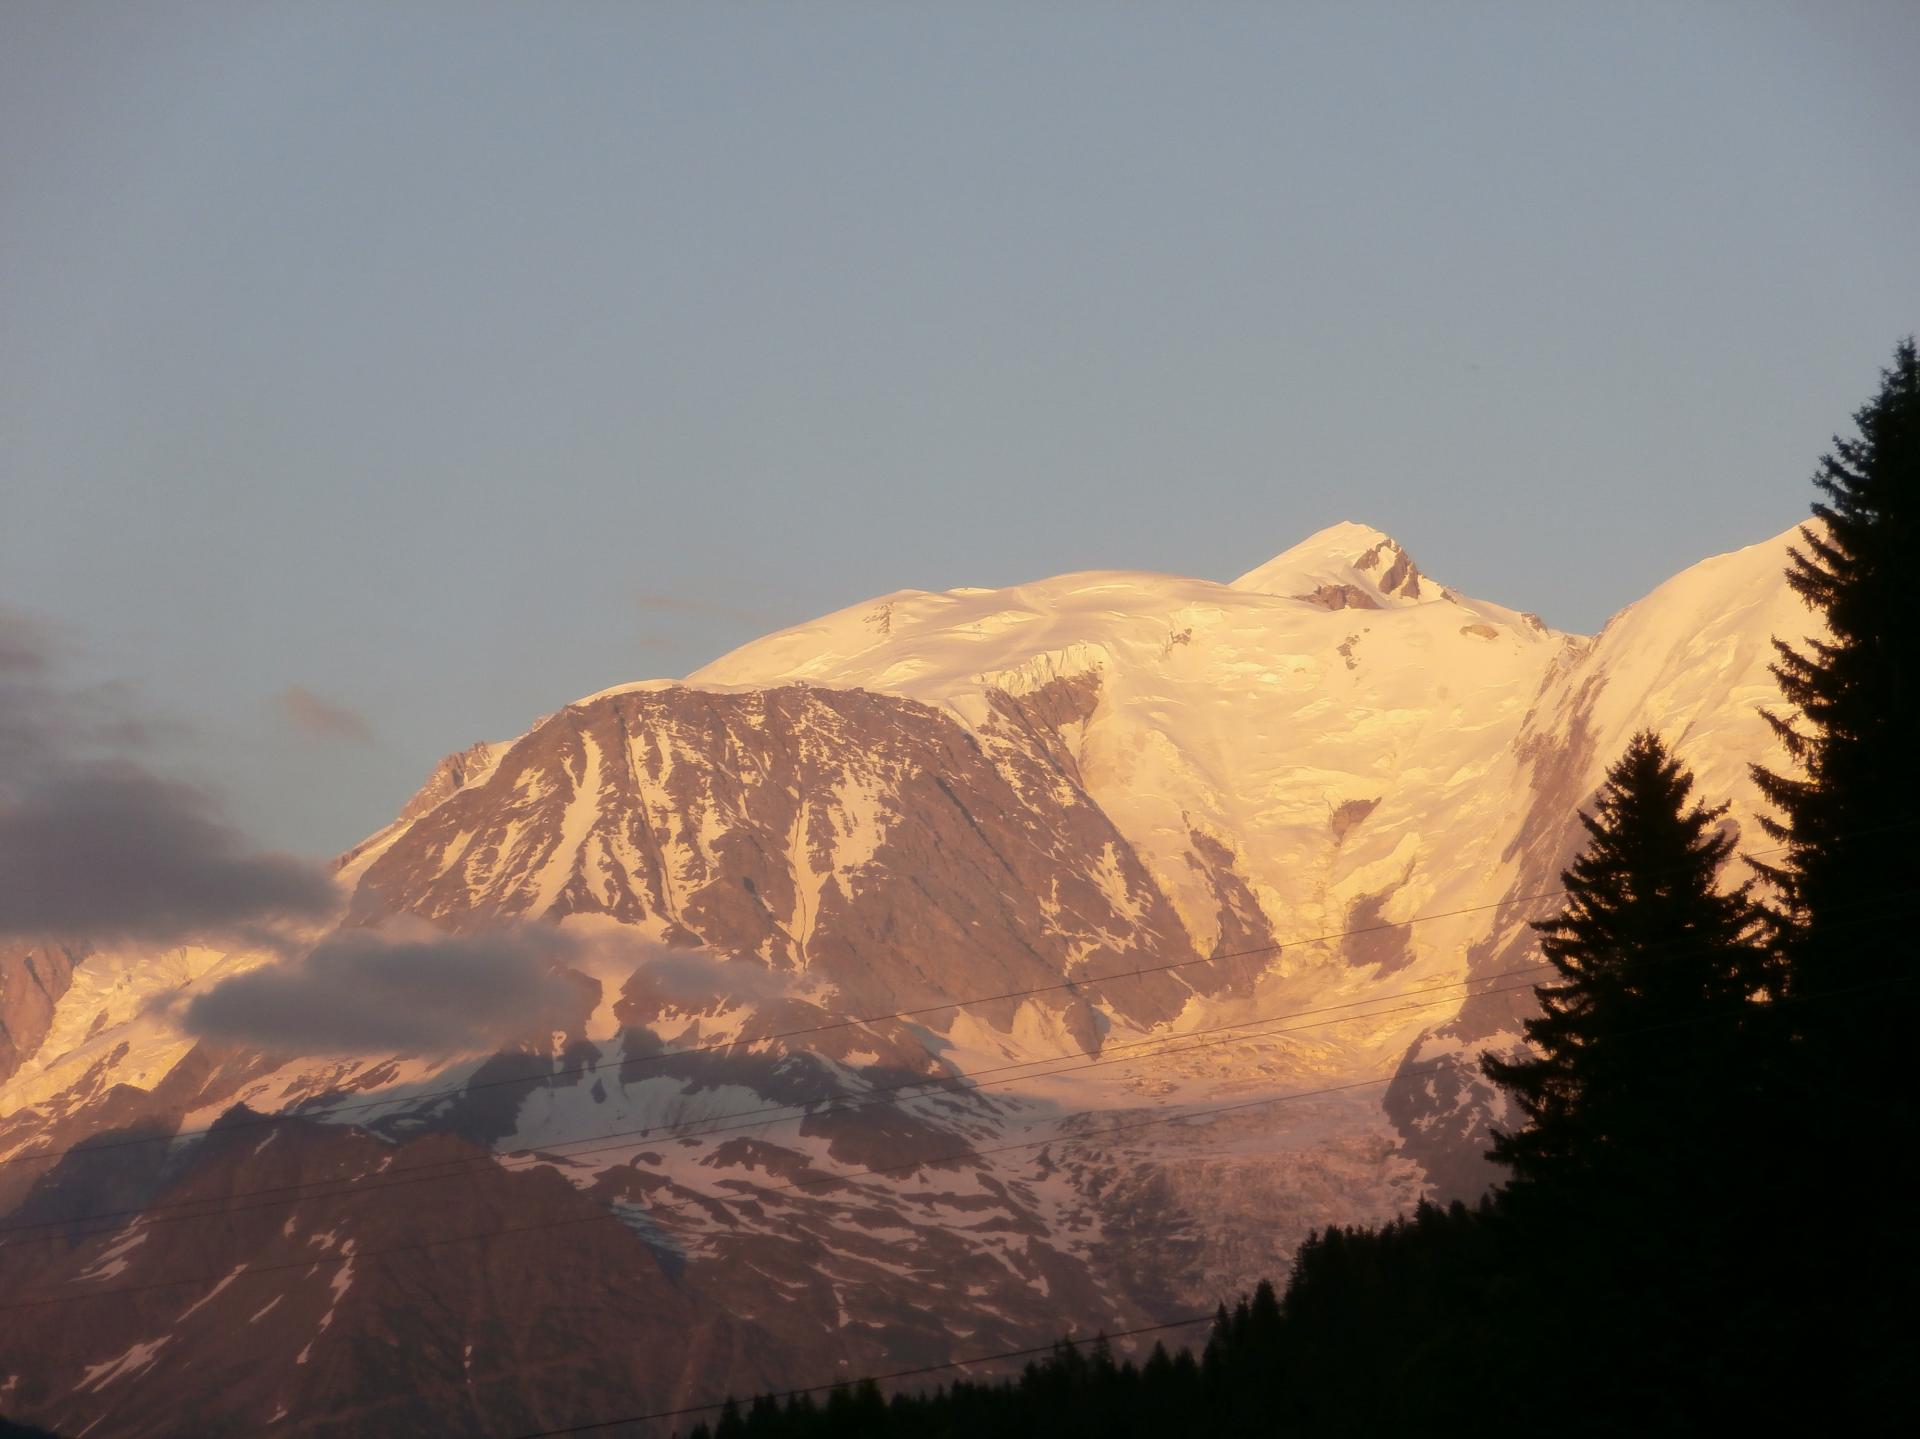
(866, 1379)
(959, 1157)
(802, 1110)
(455, 1168)
(710, 1045)
(937, 1085)
(926, 1369)
(600, 1215)
(1171, 1047)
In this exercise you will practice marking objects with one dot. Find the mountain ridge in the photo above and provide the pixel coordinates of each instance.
(1030, 793)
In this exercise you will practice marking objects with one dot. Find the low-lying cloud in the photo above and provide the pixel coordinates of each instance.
(405, 989)
(320, 718)
(699, 979)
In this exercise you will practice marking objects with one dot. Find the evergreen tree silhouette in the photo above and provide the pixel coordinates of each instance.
(1848, 813)
(1658, 974)
(1848, 817)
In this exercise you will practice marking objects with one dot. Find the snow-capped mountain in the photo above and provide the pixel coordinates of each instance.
(949, 972)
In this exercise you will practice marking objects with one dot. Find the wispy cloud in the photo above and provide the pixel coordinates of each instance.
(687, 605)
(24, 642)
(95, 845)
(320, 718)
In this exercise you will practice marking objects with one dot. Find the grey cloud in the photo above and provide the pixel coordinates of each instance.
(323, 719)
(660, 978)
(697, 977)
(108, 850)
(95, 845)
(397, 990)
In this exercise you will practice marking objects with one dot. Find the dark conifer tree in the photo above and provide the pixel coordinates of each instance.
(1848, 815)
(1658, 973)
(1641, 1105)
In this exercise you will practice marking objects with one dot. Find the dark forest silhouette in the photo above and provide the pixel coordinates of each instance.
(1706, 1222)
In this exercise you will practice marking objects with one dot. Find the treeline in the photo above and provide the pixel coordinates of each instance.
(1708, 1220)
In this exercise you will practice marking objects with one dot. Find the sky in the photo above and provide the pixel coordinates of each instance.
(375, 378)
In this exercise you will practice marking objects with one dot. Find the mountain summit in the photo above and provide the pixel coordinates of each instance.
(1345, 566)
(938, 968)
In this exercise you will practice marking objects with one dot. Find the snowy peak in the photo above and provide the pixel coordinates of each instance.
(1346, 566)
(1127, 808)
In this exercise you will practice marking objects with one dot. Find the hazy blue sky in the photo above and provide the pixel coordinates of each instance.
(449, 361)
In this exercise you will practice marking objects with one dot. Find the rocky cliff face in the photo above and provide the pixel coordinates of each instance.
(32, 980)
(946, 973)
(771, 827)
